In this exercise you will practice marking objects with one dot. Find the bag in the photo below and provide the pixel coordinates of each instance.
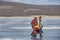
(37, 27)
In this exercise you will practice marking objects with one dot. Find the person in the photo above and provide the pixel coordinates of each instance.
(40, 25)
(34, 24)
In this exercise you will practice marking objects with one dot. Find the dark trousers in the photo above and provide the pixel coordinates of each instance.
(38, 31)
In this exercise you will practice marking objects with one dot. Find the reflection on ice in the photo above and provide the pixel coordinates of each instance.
(25, 22)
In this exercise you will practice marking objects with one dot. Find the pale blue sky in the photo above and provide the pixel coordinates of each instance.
(37, 2)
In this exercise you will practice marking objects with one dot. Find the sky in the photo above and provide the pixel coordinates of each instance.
(37, 2)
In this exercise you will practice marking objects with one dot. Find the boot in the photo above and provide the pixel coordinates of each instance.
(41, 35)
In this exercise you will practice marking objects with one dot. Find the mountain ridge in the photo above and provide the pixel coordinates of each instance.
(21, 9)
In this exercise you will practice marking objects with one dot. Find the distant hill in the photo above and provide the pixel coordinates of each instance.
(21, 9)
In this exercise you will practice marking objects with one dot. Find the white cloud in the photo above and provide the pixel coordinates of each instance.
(38, 2)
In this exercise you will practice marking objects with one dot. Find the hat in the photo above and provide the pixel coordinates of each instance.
(35, 16)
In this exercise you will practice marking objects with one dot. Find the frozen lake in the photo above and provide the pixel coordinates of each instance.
(19, 28)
